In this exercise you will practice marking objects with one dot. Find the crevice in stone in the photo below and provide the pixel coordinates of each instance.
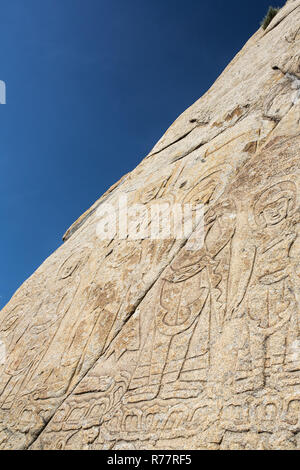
(272, 118)
(138, 302)
(172, 143)
(199, 124)
(280, 21)
(177, 159)
(243, 116)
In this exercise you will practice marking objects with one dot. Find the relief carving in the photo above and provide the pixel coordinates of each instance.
(270, 285)
(192, 303)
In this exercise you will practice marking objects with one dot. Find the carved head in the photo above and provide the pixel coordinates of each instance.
(275, 204)
(202, 192)
(210, 187)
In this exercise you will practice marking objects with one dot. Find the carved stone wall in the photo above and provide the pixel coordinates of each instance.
(145, 344)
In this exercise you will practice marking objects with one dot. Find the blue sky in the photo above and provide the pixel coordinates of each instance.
(91, 86)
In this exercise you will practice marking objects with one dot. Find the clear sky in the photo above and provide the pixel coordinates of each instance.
(91, 87)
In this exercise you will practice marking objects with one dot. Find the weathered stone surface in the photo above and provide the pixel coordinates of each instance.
(146, 345)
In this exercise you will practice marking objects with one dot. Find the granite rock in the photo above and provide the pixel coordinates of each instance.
(147, 344)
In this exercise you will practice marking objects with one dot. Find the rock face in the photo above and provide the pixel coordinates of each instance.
(146, 344)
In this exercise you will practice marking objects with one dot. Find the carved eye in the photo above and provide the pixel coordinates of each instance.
(281, 204)
(71, 264)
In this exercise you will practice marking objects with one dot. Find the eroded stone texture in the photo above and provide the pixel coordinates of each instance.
(147, 345)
